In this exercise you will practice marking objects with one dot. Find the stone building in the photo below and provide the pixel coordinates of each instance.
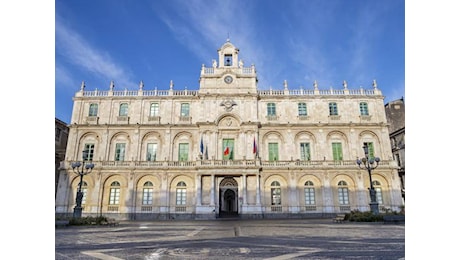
(395, 112)
(227, 148)
(61, 135)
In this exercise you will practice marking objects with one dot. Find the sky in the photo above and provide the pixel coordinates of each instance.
(158, 41)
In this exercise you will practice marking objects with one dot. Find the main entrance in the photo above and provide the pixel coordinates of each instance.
(228, 197)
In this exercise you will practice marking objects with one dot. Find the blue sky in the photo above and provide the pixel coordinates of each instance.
(158, 41)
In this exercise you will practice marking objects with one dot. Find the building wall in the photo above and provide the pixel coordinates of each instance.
(61, 135)
(250, 185)
(395, 113)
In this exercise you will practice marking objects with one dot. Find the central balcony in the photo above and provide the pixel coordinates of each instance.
(203, 164)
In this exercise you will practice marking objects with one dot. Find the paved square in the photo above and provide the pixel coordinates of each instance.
(233, 239)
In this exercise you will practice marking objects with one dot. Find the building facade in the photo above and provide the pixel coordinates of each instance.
(227, 148)
(61, 135)
(395, 112)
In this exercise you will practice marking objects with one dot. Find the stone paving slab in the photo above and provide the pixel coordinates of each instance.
(233, 239)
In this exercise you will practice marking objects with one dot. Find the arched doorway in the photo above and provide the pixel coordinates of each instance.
(228, 197)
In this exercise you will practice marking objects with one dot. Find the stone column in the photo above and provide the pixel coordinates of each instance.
(213, 180)
(244, 177)
(131, 201)
(164, 204)
(258, 189)
(198, 189)
(328, 197)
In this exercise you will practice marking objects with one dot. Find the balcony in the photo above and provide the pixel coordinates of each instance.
(230, 164)
(92, 120)
(334, 117)
(154, 119)
(123, 118)
(272, 117)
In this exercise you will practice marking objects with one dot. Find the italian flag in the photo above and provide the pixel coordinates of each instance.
(227, 151)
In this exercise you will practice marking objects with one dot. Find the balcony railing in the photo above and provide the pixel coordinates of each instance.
(291, 164)
(243, 71)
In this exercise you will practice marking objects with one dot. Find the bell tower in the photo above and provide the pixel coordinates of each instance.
(228, 55)
(228, 75)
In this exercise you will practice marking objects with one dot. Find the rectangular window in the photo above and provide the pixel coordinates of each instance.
(151, 152)
(333, 111)
(185, 109)
(302, 109)
(309, 196)
(273, 152)
(154, 109)
(337, 151)
(363, 109)
(271, 109)
(90, 152)
(228, 149)
(123, 109)
(181, 196)
(343, 196)
(305, 151)
(92, 110)
(114, 198)
(120, 152)
(370, 148)
(147, 196)
(183, 152)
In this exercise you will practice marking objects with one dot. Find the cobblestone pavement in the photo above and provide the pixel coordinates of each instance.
(232, 239)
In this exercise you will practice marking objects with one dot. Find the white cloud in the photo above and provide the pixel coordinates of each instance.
(80, 53)
(202, 26)
(62, 76)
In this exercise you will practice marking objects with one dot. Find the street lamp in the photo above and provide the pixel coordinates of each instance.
(368, 164)
(81, 169)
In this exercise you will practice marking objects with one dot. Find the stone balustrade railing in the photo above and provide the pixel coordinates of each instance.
(268, 92)
(231, 163)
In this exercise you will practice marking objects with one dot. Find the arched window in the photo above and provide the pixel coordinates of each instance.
(151, 152)
(84, 190)
(183, 152)
(378, 191)
(337, 153)
(363, 109)
(120, 151)
(123, 109)
(343, 193)
(309, 193)
(273, 152)
(276, 193)
(114, 197)
(305, 151)
(181, 193)
(147, 193)
(92, 110)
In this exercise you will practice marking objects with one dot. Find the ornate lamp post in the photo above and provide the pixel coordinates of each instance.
(369, 165)
(81, 168)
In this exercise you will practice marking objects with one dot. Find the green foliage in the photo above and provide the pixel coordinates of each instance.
(368, 216)
(87, 221)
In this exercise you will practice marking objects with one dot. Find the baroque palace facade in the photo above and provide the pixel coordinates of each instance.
(227, 148)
